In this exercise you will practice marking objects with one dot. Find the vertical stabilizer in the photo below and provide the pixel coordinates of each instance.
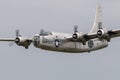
(98, 20)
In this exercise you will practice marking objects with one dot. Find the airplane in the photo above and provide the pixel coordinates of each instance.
(78, 42)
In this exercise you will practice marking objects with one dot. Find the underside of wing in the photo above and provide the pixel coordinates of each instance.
(90, 36)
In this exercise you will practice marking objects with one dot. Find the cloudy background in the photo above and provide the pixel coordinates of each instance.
(30, 16)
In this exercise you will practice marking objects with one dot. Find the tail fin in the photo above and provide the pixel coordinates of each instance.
(98, 20)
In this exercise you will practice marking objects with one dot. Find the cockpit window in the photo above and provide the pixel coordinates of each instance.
(45, 33)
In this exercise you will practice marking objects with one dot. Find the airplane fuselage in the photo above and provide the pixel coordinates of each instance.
(55, 43)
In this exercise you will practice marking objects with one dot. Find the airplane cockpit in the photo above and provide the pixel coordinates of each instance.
(36, 38)
(45, 33)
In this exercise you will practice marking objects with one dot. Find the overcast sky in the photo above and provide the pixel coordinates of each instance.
(30, 16)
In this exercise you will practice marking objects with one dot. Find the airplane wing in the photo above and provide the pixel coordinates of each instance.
(82, 39)
(86, 37)
(114, 33)
(90, 36)
(25, 42)
(7, 39)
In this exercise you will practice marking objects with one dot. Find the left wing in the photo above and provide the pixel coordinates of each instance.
(25, 42)
(21, 41)
(114, 33)
(83, 38)
(101, 35)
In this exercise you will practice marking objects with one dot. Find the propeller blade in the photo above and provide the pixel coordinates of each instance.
(17, 32)
(11, 44)
(75, 28)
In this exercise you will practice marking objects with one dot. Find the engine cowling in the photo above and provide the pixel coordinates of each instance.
(103, 34)
(100, 33)
(76, 35)
(22, 42)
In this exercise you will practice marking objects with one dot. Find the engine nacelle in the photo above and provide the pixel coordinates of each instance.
(100, 33)
(22, 42)
(79, 37)
(103, 34)
(76, 35)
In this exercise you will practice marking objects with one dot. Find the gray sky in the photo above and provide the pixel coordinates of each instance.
(30, 16)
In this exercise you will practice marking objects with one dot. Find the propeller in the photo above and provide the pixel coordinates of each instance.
(21, 41)
(78, 36)
(75, 35)
(75, 28)
(11, 44)
(17, 33)
(17, 39)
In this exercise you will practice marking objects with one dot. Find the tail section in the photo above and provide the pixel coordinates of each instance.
(98, 20)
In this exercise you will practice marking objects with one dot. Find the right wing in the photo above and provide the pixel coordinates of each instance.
(85, 37)
(7, 39)
(114, 33)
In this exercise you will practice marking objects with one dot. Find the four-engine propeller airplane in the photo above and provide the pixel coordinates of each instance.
(77, 42)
